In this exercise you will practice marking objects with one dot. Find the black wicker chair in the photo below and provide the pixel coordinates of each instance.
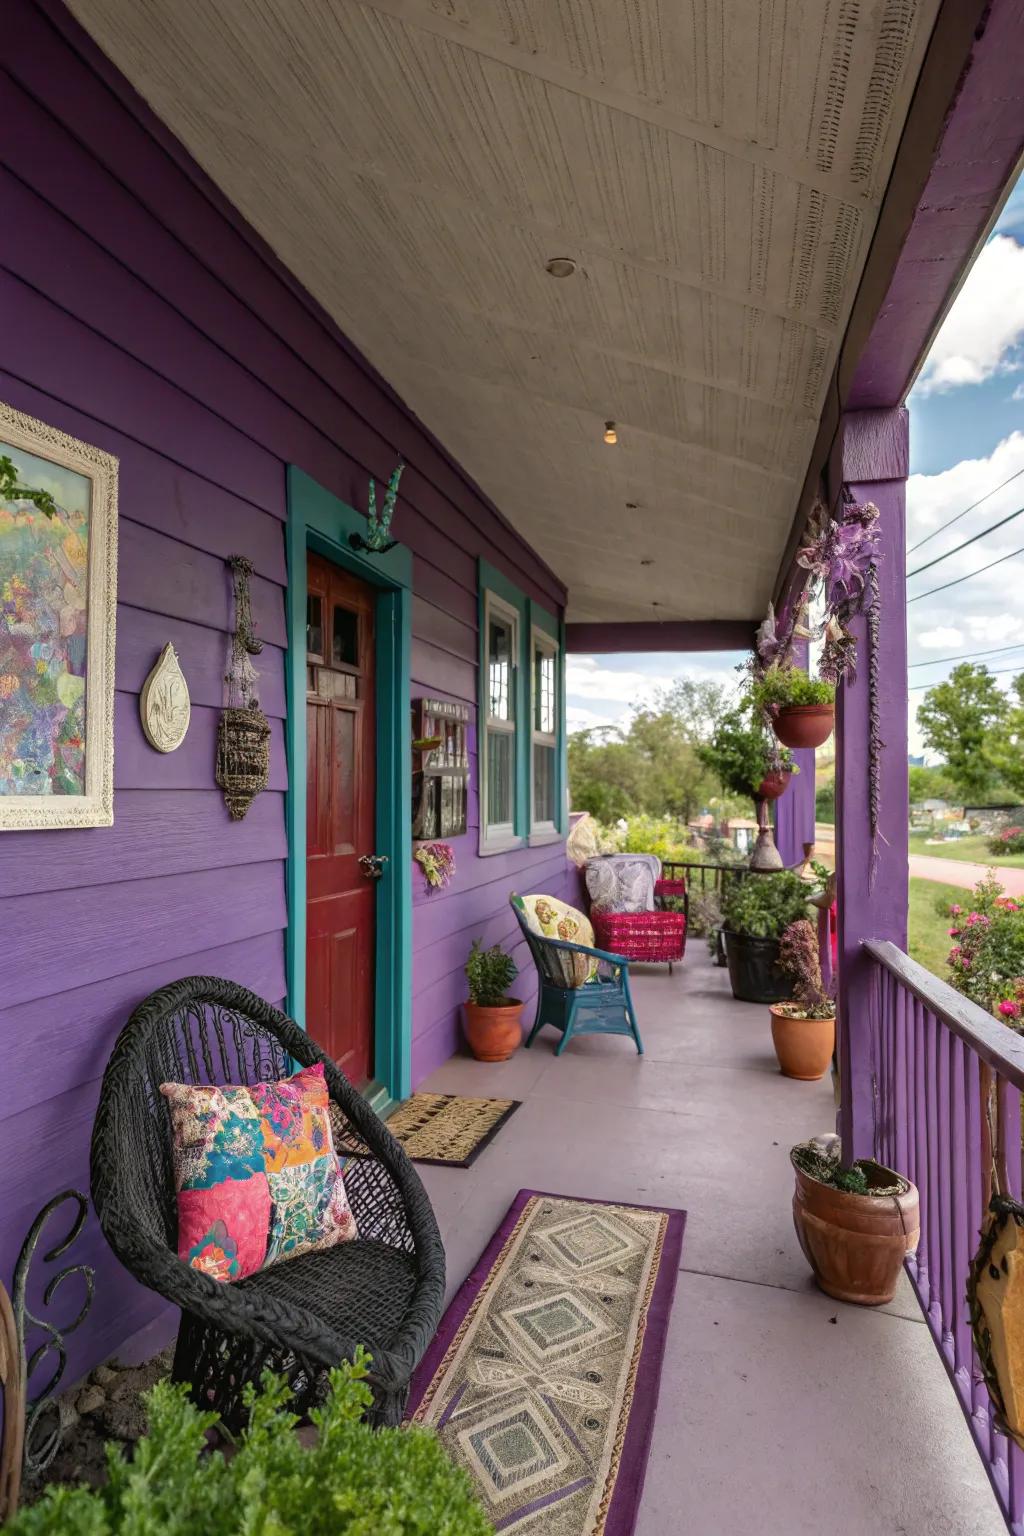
(384, 1290)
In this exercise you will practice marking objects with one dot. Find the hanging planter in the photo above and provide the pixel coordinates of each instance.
(773, 785)
(801, 709)
(804, 725)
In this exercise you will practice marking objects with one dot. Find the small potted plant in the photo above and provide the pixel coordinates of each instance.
(856, 1224)
(756, 911)
(492, 1017)
(803, 1031)
(802, 709)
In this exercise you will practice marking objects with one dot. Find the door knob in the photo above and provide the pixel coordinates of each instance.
(372, 865)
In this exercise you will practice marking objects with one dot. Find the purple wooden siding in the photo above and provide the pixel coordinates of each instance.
(141, 315)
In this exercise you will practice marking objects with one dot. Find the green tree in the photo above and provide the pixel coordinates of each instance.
(825, 803)
(1006, 742)
(957, 720)
(930, 784)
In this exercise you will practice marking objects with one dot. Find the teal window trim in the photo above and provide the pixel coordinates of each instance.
(319, 521)
(530, 615)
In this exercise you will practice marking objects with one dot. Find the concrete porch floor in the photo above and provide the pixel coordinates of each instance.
(781, 1411)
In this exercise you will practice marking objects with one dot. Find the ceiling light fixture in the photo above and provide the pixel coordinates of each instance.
(610, 434)
(560, 266)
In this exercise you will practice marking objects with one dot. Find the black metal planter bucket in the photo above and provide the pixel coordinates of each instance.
(754, 970)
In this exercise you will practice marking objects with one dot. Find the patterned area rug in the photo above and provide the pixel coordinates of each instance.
(543, 1378)
(445, 1128)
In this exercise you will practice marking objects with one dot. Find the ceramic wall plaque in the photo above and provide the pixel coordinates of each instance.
(58, 567)
(164, 703)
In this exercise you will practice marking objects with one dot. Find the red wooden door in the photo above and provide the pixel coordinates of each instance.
(340, 816)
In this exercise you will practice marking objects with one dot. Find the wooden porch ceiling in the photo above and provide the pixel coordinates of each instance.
(715, 171)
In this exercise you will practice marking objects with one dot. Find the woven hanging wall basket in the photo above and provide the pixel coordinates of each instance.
(243, 757)
(995, 1297)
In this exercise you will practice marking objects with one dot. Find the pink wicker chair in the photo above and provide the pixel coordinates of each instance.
(650, 937)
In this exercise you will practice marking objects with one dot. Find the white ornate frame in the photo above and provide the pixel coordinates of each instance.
(96, 807)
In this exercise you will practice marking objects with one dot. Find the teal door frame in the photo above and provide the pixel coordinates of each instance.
(321, 522)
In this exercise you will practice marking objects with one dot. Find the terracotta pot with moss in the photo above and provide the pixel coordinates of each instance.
(493, 1019)
(856, 1224)
(802, 709)
(803, 1031)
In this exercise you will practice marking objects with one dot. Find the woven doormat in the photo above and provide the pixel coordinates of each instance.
(448, 1129)
(542, 1381)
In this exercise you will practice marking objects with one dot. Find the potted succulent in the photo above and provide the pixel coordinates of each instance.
(802, 709)
(803, 1031)
(856, 1225)
(492, 1017)
(756, 911)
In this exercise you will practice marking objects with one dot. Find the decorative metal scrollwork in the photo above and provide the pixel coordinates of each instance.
(43, 1428)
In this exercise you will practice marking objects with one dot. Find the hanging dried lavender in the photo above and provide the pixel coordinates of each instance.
(243, 734)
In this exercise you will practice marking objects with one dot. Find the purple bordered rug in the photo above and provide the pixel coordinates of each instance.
(543, 1378)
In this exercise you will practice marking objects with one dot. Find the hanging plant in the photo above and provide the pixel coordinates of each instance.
(800, 709)
(437, 861)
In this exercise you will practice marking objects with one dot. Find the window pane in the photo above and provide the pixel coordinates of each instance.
(544, 691)
(314, 625)
(500, 780)
(345, 651)
(543, 783)
(499, 669)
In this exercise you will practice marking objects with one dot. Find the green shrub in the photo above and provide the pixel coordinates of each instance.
(763, 906)
(1009, 840)
(784, 686)
(353, 1481)
(489, 974)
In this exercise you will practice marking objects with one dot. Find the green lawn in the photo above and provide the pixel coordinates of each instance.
(929, 941)
(970, 850)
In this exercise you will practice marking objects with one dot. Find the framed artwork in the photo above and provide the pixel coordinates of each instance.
(58, 598)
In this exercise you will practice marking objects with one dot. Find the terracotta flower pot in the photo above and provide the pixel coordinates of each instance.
(856, 1244)
(494, 1033)
(774, 784)
(804, 725)
(804, 1046)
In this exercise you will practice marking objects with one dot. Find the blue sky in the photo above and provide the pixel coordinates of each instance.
(966, 437)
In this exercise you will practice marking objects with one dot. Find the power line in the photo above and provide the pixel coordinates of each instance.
(955, 583)
(943, 526)
(966, 656)
(997, 672)
(983, 534)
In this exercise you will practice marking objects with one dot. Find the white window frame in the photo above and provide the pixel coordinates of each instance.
(501, 836)
(542, 640)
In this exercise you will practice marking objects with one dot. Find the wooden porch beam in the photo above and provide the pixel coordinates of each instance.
(672, 635)
(871, 877)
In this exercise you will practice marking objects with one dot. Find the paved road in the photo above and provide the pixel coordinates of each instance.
(927, 866)
(955, 872)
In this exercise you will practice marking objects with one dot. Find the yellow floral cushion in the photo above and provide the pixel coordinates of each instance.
(555, 919)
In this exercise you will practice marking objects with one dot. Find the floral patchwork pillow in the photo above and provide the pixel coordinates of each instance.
(257, 1175)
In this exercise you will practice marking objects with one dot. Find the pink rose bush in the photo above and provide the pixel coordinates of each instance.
(986, 962)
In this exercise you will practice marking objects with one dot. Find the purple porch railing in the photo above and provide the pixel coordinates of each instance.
(948, 1082)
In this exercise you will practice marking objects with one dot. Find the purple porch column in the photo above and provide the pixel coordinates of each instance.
(872, 460)
(794, 811)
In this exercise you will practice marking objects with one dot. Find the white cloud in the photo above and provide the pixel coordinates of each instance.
(940, 639)
(996, 627)
(985, 324)
(579, 719)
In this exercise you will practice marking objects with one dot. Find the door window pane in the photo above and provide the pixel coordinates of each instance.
(345, 638)
(500, 639)
(543, 783)
(314, 624)
(544, 691)
(500, 778)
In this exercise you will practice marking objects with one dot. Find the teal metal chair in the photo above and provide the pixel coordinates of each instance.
(601, 1006)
